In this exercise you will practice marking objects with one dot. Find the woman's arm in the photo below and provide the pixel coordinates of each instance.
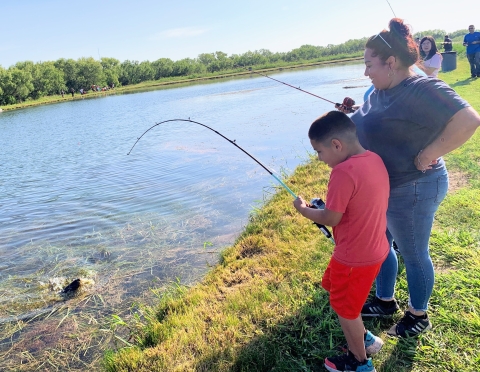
(459, 129)
(432, 64)
(429, 70)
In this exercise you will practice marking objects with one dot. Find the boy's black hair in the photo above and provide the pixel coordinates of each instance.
(333, 124)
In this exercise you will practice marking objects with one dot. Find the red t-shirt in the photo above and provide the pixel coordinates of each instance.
(359, 188)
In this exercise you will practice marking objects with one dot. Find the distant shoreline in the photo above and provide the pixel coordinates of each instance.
(155, 83)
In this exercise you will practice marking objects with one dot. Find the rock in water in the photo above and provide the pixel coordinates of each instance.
(71, 288)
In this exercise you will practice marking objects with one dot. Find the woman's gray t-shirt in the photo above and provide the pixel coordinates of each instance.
(397, 123)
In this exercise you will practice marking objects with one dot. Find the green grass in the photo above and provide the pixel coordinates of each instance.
(262, 308)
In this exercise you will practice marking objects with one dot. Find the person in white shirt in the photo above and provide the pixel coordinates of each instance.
(431, 58)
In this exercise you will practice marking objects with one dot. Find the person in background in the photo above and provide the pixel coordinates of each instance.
(432, 59)
(472, 42)
(410, 121)
(356, 205)
(447, 44)
(417, 41)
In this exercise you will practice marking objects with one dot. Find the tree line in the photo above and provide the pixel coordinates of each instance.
(29, 80)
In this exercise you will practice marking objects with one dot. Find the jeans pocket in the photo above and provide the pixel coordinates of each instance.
(431, 188)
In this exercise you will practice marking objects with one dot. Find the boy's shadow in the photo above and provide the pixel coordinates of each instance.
(302, 341)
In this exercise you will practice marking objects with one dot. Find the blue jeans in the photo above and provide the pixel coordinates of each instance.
(410, 213)
(474, 60)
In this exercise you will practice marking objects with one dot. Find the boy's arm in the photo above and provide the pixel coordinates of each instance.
(320, 216)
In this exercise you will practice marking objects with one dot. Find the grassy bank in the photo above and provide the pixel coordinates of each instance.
(179, 81)
(262, 309)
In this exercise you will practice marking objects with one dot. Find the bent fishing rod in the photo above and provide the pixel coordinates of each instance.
(322, 228)
(346, 104)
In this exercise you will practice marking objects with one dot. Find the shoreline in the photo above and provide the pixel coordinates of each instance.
(156, 84)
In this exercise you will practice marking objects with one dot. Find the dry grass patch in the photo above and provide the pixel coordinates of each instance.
(457, 180)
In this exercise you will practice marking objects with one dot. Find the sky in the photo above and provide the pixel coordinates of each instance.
(139, 30)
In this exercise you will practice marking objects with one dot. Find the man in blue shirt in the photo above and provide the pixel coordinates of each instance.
(472, 42)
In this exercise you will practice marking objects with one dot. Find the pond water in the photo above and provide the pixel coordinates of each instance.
(73, 204)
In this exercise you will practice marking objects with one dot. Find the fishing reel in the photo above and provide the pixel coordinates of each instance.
(318, 203)
(346, 105)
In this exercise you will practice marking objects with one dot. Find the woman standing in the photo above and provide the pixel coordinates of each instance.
(432, 59)
(410, 121)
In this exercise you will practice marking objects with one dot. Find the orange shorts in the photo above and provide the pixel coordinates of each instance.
(349, 287)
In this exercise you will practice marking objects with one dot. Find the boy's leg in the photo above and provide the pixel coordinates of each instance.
(354, 330)
(349, 287)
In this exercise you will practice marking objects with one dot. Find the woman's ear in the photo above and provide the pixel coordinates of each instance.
(392, 62)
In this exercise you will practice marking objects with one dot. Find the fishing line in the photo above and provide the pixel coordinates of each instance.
(322, 228)
(291, 86)
(391, 8)
(346, 104)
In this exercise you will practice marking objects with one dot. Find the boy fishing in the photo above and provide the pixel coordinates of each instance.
(356, 206)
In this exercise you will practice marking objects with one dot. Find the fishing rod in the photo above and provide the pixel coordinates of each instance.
(322, 228)
(346, 104)
(229, 140)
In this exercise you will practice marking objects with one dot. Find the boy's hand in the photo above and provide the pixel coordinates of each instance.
(299, 203)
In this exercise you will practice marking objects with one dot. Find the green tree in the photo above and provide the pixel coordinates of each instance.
(436, 34)
(206, 58)
(249, 59)
(129, 72)
(16, 85)
(111, 70)
(163, 67)
(145, 71)
(47, 80)
(187, 66)
(89, 72)
(69, 69)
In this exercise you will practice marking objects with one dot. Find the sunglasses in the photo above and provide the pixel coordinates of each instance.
(380, 36)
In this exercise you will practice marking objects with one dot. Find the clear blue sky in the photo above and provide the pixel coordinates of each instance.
(46, 30)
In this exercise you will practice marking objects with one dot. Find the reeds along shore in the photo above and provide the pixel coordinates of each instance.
(262, 308)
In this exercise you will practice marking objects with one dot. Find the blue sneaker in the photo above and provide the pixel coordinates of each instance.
(348, 363)
(373, 344)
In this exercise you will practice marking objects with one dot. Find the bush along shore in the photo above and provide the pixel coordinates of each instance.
(262, 307)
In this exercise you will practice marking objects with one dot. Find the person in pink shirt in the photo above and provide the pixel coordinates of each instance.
(356, 208)
(431, 57)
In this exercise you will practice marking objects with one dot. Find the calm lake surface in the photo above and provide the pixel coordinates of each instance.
(74, 205)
